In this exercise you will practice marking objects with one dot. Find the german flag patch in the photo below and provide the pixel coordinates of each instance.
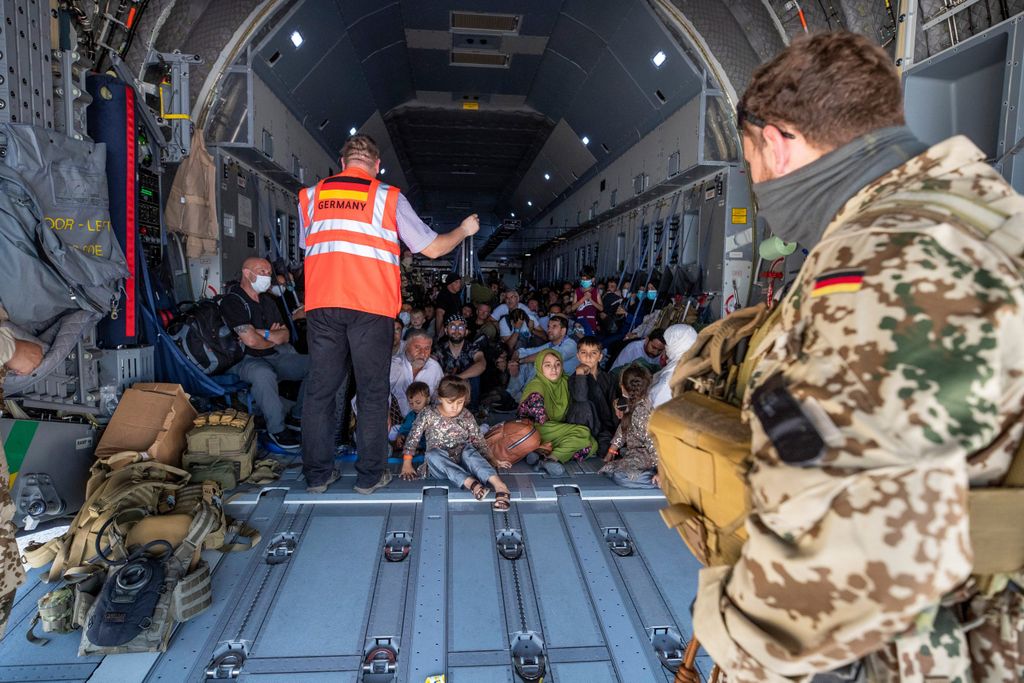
(837, 282)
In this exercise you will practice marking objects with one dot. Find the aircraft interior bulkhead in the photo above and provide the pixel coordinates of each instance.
(217, 215)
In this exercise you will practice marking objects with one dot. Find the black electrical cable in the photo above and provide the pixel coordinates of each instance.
(825, 12)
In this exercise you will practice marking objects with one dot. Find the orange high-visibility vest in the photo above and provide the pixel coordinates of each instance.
(352, 250)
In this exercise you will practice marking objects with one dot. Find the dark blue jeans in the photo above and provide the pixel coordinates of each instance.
(335, 335)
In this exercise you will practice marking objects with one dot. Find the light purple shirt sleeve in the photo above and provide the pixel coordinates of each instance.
(416, 234)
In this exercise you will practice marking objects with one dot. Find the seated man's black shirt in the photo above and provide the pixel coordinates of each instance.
(238, 309)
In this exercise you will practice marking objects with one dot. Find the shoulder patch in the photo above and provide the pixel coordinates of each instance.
(837, 282)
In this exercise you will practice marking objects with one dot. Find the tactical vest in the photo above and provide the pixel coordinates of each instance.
(159, 584)
(704, 445)
(352, 249)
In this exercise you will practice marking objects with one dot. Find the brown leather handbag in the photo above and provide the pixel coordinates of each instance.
(513, 440)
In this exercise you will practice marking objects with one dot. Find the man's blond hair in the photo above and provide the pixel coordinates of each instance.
(360, 148)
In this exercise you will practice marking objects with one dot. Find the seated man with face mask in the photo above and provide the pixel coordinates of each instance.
(253, 314)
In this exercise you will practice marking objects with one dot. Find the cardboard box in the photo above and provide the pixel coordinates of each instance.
(153, 418)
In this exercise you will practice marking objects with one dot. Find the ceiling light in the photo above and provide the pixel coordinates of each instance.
(529, 203)
(383, 170)
(296, 38)
(547, 176)
(659, 59)
(513, 214)
(586, 140)
(352, 130)
(527, 254)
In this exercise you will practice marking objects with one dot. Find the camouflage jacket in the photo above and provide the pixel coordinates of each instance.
(11, 572)
(901, 340)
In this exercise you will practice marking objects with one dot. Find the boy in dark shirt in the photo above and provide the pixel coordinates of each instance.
(593, 392)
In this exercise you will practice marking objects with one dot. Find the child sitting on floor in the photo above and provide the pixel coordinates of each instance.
(638, 466)
(418, 394)
(456, 450)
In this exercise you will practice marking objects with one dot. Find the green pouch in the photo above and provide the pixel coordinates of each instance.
(224, 472)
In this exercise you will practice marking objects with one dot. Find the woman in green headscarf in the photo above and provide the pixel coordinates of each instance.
(545, 400)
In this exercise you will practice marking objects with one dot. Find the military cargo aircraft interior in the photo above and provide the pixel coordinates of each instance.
(391, 341)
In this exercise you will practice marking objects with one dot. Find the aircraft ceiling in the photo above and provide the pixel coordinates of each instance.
(561, 70)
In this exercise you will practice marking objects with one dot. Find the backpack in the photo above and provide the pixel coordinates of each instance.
(158, 584)
(205, 338)
(513, 440)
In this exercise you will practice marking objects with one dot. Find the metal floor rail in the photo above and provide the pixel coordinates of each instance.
(413, 579)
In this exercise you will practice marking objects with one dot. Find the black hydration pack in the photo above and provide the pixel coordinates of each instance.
(128, 601)
(204, 337)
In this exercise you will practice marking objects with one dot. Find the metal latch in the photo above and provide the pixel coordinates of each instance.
(397, 545)
(668, 645)
(380, 661)
(510, 544)
(618, 541)
(227, 661)
(528, 657)
(281, 547)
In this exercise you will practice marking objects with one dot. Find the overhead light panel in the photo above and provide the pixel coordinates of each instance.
(296, 38)
(585, 140)
(353, 130)
(383, 170)
(527, 254)
(529, 203)
(512, 213)
(547, 176)
(659, 58)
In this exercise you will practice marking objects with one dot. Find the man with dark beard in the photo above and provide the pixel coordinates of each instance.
(460, 357)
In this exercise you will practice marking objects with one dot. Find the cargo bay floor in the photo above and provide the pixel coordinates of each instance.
(452, 605)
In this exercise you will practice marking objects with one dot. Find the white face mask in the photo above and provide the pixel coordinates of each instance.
(277, 290)
(261, 283)
(404, 316)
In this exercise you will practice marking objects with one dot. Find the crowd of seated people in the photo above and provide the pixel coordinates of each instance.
(587, 361)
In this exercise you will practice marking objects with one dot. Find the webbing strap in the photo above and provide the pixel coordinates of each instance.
(32, 637)
(1015, 475)
(239, 529)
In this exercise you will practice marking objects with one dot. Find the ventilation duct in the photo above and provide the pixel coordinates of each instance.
(493, 60)
(489, 23)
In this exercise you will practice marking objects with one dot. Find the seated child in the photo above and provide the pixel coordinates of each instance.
(418, 394)
(637, 468)
(417, 321)
(456, 450)
(593, 391)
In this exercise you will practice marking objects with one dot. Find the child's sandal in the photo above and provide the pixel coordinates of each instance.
(479, 491)
(502, 501)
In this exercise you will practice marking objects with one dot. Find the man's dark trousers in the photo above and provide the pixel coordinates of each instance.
(334, 335)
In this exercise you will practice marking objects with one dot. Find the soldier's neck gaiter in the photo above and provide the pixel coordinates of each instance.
(800, 205)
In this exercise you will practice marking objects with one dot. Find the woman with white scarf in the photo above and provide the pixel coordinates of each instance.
(678, 340)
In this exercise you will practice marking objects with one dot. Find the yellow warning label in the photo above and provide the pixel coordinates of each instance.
(470, 105)
(439, 679)
(739, 216)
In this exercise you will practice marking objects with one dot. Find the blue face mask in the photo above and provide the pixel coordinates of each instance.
(652, 294)
(585, 284)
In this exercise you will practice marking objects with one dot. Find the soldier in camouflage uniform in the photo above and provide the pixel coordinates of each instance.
(893, 383)
(20, 357)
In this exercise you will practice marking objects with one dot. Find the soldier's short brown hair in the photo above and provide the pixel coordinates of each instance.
(832, 87)
(360, 148)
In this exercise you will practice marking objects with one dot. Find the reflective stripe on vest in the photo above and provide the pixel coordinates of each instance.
(351, 242)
